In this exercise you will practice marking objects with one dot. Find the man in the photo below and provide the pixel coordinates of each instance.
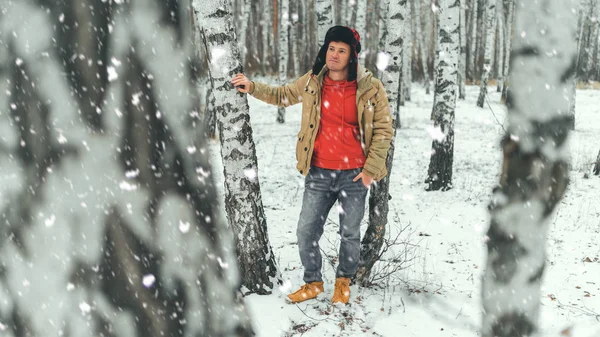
(344, 137)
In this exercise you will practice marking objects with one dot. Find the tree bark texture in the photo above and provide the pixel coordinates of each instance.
(490, 28)
(446, 91)
(536, 161)
(108, 229)
(243, 201)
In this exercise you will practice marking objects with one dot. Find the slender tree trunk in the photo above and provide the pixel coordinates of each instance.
(431, 40)
(243, 201)
(324, 14)
(284, 30)
(106, 229)
(500, 48)
(463, 51)
(446, 91)
(536, 174)
(597, 165)
(490, 19)
(407, 55)
(573, 93)
(379, 194)
(395, 17)
(421, 41)
(473, 52)
(294, 42)
(508, 41)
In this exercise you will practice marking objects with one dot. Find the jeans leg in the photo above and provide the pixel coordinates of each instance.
(351, 197)
(316, 204)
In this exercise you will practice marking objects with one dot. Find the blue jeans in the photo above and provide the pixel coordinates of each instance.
(322, 188)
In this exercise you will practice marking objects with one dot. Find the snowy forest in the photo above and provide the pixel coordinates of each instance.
(142, 195)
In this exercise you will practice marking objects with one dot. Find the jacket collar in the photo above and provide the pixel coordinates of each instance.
(363, 80)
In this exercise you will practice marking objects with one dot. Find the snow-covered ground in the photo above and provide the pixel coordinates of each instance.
(438, 293)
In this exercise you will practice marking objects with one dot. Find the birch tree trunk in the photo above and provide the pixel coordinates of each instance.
(536, 175)
(490, 20)
(284, 30)
(243, 201)
(106, 228)
(473, 40)
(407, 55)
(446, 91)
(379, 195)
(500, 48)
(422, 42)
(508, 41)
(597, 165)
(395, 17)
(431, 40)
(579, 38)
(361, 18)
(463, 50)
(324, 14)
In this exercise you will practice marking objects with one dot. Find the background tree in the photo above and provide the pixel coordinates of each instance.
(510, 16)
(536, 168)
(439, 176)
(284, 31)
(379, 196)
(106, 214)
(324, 14)
(490, 28)
(243, 201)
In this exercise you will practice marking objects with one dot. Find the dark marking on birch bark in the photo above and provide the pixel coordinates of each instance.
(538, 274)
(513, 325)
(219, 14)
(220, 38)
(569, 73)
(528, 51)
(507, 251)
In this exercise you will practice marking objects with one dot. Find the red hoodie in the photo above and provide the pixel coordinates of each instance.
(338, 145)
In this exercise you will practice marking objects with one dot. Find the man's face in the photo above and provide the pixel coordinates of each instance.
(338, 56)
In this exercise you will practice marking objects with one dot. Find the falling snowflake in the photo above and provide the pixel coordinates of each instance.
(383, 59)
(191, 149)
(50, 221)
(436, 133)
(112, 73)
(148, 280)
(70, 286)
(132, 173)
(184, 226)
(85, 308)
(250, 173)
(126, 186)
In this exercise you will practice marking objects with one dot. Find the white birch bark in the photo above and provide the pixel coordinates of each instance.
(109, 231)
(446, 92)
(463, 50)
(243, 201)
(295, 52)
(473, 40)
(536, 162)
(508, 46)
(431, 42)
(324, 13)
(374, 237)
(395, 17)
(284, 28)
(422, 42)
(490, 28)
(246, 30)
(500, 47)
(361, 19)
(407, 55)
(579, 37)
(597, 165)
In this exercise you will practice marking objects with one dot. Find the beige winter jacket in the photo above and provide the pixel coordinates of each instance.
(373, 108)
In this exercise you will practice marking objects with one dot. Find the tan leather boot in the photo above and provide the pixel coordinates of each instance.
(341, 293)
(306, 292)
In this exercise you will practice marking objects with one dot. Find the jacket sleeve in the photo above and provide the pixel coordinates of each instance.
(283, 96)
(382, 135)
